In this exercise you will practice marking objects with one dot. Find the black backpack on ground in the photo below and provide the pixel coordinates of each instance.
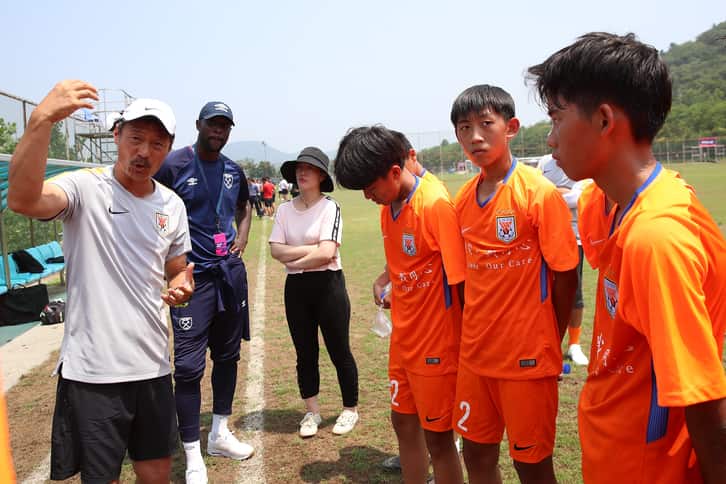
(53, 313)
(26, 262)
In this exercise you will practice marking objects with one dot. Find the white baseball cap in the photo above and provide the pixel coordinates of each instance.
(141, 108)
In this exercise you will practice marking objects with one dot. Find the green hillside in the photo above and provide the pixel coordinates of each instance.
(699, 86)
(698, 69)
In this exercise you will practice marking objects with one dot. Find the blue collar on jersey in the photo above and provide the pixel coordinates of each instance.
(408, 199)
(504, 181)
(653, 175)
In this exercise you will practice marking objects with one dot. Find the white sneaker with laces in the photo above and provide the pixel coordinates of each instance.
(196, 475)
(227, 445)
(309, 424)
(345, 423)
(574, 352)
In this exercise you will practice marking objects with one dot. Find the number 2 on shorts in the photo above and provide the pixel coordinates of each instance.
(464, 405)
(394, 392)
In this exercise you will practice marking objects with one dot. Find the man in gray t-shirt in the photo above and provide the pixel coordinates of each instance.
(123, 235)
(570, 191)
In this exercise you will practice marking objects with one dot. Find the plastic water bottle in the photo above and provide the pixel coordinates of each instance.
(381, 324)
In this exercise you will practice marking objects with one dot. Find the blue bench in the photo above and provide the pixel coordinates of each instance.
(41, 253)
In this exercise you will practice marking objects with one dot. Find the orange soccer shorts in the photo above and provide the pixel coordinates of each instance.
(430, 397)
(526, 408)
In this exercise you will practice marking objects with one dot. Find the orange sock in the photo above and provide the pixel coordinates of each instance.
(574, 335)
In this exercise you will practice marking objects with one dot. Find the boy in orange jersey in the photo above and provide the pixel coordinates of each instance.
(425, 259)
(656, 389)
(521, 257)
(7, 471)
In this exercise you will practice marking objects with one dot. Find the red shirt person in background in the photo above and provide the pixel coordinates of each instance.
(268, 196)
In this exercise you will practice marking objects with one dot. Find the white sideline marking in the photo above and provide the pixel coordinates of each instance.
(253, 470)
(40, 474)
(27, 351)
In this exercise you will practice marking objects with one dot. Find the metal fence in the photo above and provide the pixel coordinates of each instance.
(441, 152)
(84, 136)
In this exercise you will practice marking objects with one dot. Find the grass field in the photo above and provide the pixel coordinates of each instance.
(327, 458)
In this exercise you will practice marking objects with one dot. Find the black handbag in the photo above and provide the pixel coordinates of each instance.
(26, 262)
(53, 313)
(23, 304)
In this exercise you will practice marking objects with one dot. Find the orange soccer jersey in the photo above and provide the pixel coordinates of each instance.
(593, 210)
(658, 335)
(424, 252)
(7, 472)
(512, 241)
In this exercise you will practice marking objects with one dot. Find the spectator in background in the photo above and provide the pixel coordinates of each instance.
(254, 189)
(268, 196)
(283, 189)
(570, 191)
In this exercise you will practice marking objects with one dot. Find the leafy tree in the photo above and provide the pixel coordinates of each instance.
(698, 69)
(7, 137)
(58, 144)
(258, 170)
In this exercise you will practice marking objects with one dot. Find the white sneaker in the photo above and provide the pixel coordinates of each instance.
(574, 352)
(309, 424)
(345, 423)
(196, 475)
(227, 445)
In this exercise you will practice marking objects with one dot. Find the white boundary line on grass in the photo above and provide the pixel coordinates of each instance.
(40, 474)
(253, 470)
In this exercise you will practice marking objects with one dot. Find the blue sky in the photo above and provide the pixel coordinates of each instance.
(300, 73)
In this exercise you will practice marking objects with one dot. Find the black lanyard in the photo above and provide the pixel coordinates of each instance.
(200, 169)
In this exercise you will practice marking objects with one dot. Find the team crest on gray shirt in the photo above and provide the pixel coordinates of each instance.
(162, 223)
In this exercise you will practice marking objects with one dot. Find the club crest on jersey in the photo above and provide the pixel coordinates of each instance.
(611, 296)
(506, 229)
(185, 323)
(227, 178)
(161, 220)
(409, 245)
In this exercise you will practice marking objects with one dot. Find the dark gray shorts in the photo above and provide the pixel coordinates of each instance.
(95, 423)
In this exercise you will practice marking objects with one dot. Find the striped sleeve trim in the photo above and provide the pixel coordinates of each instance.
(336, 222)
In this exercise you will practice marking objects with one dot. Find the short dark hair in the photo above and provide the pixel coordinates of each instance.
(478, 98)
(600, 67)
(406, 143)
(367, 153)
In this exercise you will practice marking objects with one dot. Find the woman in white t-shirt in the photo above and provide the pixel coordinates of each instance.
(306, 237)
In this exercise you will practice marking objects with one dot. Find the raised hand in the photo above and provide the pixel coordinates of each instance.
(64, 99)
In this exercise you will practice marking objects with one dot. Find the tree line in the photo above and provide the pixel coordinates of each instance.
(698, 69)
